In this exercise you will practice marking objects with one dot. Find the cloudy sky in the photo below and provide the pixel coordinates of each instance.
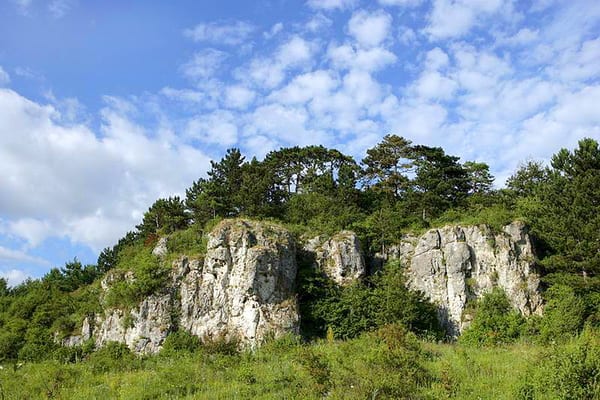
(107, 106)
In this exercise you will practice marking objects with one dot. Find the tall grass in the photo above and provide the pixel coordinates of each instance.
(386, 364)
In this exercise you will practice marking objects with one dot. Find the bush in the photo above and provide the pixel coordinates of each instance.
(495, 321)
(114, 356)
(180, 342)
(361, 307)
(149, 276)
(190, 242)
(569, 371)
(564, 314)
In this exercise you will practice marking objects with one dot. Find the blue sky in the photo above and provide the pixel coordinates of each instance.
(107, 106)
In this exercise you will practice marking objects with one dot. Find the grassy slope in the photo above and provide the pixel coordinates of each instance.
(344, 370)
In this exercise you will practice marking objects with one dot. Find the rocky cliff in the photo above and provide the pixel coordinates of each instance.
(340, 257)
(455, 265)
(243, 288)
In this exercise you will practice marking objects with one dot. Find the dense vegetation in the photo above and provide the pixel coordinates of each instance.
(358, 341)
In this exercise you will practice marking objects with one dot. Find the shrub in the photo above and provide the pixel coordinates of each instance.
(568, 371)
(564, 314)
(114, 356)
(149, 276)
(495, 321)
(180, 342)
(361, 307)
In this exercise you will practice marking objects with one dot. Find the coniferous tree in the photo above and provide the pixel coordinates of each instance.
(164, 216)
(387, 166)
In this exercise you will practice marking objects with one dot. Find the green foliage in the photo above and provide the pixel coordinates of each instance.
(496, 216)
(113, 356)
(321, 212)
(479, 179)
(564, 314)
(387, 165)
(440, 182)
(569, 371)
(72, 276)
(190, 242)
(361, 307)
(109, 257)
(180, 342)
(495, 321)
(164, 216)
(527, 179)
(148, 276)
(565, 213)
(381, 228)
(219, 195)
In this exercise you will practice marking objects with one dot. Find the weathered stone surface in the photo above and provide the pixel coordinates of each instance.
(339, 257)
(243, 290)
(454, 265)
(143, 329)
(160, 250)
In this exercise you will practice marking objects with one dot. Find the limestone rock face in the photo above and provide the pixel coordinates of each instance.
(454, 265)
(243, 290)
(339, 257)
(243, 287)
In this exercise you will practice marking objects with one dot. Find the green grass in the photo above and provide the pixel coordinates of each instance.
(468, 372)
(386, 364)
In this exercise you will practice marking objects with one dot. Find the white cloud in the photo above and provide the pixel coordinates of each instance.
(270, 72)
(373, 59)
(433, 86)
(306, 87)
(28, 73)
(349, 108)
(65, 180)
(421, 122)
(7, 254)
(295, 51)
(402, 3)
(578, 64)
(31, 229)
(239, 97)
(331, 4)
(204, 64)
(221, 32)
(407, 36)
(275, 29)
(454, 18)
(215, 128)
(579, 108)
(436, 59)
(479, 71)
(523, 37)
(4, 77)
(370, 29)
(14, 276)
(183, 95)
(288, 125)
(317, 23)
(23, 5)
(573, 117)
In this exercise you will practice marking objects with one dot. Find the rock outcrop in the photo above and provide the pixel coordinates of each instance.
(242, 291)
(454, 265)
(339, 257)
(243, 288)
